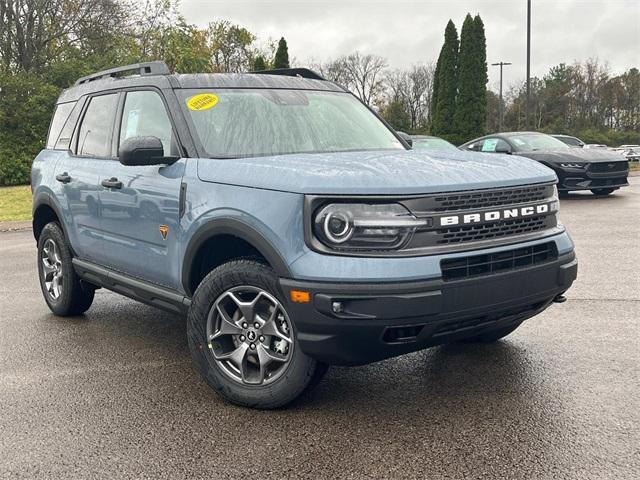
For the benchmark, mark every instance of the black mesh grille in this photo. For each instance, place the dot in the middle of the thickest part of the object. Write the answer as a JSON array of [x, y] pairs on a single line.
[[493, 198], [488, 264], [607, 167], [504, 228]]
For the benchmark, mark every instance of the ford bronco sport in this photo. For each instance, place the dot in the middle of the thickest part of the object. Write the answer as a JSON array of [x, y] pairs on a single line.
[[291, 225]]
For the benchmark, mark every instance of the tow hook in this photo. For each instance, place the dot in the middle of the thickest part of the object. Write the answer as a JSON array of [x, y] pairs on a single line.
[[560, 298]]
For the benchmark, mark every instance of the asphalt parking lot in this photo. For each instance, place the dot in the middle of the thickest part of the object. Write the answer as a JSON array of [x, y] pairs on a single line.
[[112, 394]]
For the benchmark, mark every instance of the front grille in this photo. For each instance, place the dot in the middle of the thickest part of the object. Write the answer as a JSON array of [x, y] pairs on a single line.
[[492, 263], [608, 167], [492, 198], [504, 228]]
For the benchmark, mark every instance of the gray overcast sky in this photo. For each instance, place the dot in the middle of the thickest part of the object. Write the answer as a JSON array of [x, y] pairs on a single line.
[[407, 32]]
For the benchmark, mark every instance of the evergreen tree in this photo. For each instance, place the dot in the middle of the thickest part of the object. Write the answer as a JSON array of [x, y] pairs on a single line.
[[481, 73], [259, 64], [471, 104], [281, 59], [434, 94], [447, 82]]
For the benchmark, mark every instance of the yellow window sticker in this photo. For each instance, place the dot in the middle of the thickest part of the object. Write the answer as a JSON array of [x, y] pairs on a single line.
[[202, 101]]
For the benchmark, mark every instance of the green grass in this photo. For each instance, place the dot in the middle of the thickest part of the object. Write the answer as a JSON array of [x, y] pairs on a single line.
[[15, 203]]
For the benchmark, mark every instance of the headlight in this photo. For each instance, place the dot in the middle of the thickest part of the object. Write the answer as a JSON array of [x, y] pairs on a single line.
[[572, 165], [359, 226]]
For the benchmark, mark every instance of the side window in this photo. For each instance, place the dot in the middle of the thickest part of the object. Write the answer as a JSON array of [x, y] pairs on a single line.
[[94, 137], [144, 115], [59, 119], [476, 146], [495, 144], [64, 140]]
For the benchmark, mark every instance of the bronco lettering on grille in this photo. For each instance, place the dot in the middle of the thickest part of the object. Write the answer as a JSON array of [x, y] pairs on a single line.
[[494, 215]]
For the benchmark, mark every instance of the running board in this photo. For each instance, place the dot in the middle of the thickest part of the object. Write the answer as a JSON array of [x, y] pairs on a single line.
[[140, 290]]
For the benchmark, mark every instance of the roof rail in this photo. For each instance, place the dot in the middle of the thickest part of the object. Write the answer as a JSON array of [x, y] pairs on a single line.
[[293, 72], [145, 68]]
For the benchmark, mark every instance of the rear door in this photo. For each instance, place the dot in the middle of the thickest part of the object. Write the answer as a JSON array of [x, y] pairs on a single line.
[[78, 171], [140, 214]]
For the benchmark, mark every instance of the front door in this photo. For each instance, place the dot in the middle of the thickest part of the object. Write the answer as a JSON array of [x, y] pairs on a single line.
[[140, 204]]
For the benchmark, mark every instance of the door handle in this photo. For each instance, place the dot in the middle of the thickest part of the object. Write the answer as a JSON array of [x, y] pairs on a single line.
[[63, 177], [113, 182]]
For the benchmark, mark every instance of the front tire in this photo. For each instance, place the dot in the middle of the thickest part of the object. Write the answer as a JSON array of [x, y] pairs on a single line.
[[242, 340], [64, 292], [602, 191]]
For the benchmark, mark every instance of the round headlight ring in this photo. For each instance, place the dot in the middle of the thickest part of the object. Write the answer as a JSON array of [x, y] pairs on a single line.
[[344, 234]]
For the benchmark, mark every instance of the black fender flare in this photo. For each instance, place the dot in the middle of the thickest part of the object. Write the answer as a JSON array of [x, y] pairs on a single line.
[[44, 198], [236, 228]]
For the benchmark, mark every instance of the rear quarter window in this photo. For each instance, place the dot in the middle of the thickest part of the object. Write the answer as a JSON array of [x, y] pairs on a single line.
[[60, 117]]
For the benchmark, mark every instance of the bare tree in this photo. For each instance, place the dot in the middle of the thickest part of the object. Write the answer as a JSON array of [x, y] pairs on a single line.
[[413, 88], [363, 74], [33, 33]]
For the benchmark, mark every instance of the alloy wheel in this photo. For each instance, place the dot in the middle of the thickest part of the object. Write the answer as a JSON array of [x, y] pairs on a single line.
[[52, 268], [249, 334]]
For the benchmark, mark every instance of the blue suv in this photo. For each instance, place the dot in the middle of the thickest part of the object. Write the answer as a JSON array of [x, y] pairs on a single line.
[[289, 222]]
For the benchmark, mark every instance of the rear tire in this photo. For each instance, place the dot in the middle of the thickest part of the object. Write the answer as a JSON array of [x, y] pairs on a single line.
[[64, 292], [242, 340], [602, 191], [492, 336]]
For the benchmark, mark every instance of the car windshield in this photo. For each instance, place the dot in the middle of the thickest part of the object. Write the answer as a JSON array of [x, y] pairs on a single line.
[[233, 123], [537, 141], [432, 144]]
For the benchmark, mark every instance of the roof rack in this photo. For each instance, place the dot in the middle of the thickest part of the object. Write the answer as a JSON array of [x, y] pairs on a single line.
[[145, 68], [293, 72]]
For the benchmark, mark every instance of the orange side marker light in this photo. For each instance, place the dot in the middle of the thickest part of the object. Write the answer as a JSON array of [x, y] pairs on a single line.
[[300, 296]]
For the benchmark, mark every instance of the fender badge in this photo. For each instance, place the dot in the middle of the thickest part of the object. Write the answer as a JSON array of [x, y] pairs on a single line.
[[164, 230]]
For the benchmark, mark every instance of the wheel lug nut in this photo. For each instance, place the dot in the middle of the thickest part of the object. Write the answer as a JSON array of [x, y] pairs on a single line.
[[252, 346], [256, 325], [242, 338], [245, 324], [261, 338]]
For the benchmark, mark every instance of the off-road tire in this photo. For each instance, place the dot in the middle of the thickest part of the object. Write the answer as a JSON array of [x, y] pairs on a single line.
[[302, 372], [76, 296]]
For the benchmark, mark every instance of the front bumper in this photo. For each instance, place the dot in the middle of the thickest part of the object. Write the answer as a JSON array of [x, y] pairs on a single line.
[[575, 179], [381, 320]]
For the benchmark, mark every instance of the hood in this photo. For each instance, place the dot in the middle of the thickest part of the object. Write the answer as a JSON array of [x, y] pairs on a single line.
[[376, 173], [583, 155]]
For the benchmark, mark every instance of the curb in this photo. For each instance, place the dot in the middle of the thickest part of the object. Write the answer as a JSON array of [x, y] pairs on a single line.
[[15, 225]]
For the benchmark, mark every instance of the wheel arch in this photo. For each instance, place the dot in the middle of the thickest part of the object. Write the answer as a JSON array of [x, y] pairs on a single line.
[[221, 230], [45, 210]]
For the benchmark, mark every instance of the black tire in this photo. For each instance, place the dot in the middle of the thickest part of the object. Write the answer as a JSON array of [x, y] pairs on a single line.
[[603, 191], [492, 336], [563, 193], [75, 297], [300, 374]]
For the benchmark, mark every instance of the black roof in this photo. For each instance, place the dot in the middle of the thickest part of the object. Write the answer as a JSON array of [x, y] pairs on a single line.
[[154, 74]]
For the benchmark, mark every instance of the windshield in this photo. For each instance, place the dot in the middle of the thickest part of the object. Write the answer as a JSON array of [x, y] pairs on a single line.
[[249, 123], [537, 141], [432, 144]]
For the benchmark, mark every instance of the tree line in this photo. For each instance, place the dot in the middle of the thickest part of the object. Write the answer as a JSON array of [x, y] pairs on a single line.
[[45, 45]]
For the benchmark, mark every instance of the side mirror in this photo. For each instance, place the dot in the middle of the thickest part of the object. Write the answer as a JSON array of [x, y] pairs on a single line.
[[405, 137], [137, 151]]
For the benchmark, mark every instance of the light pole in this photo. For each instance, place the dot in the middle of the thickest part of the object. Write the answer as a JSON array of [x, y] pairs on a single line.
[[526, 107], [501, 112]]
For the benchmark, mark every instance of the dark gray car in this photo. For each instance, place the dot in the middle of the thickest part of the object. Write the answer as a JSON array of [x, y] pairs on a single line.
[[597, 170]]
